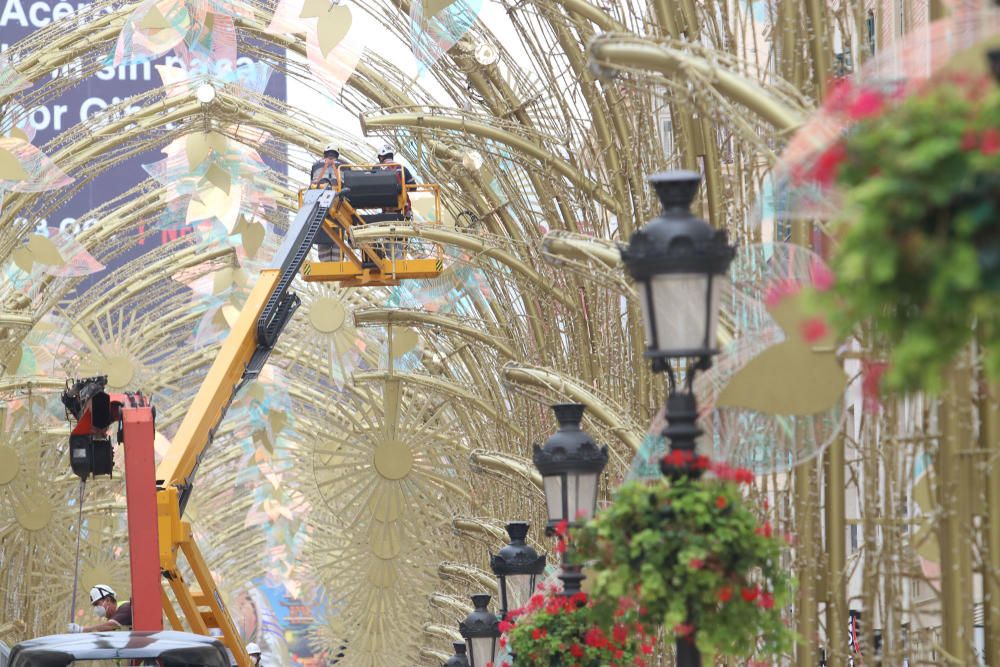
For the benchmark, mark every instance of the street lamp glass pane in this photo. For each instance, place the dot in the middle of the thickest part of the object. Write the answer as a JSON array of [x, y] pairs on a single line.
[[481, 650], [519, 590], [553, 496], [582, 495], [679, 302]]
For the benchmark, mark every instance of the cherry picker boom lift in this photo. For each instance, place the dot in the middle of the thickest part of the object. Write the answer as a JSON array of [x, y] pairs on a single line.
[[331, 211]]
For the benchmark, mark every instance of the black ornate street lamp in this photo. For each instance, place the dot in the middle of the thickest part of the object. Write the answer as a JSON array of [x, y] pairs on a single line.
[[516, 567], [481, 631], [571, 465], [679, 263], [459, 659]]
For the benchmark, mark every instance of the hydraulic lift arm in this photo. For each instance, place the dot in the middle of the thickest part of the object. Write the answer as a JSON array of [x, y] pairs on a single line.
[[241, 358]]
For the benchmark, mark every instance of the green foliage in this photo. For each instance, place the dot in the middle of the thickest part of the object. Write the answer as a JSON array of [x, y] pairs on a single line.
[[556, 631], [919, 253], [695, 559]]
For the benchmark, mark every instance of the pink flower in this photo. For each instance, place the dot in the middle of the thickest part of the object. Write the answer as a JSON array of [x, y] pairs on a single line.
[[991, 142], [970, 141], [820, 275], [505, 626], [867, 103], [766, 601], [871, 380], [815, 329], [683, 629], [696, 563], [828, 163]]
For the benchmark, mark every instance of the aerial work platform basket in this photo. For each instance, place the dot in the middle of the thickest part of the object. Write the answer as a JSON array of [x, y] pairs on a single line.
[[375, 194]]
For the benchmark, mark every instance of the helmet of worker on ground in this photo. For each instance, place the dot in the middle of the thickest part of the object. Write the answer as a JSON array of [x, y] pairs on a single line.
[[101, 591], [385, 152], [332, 148], [253, 649]]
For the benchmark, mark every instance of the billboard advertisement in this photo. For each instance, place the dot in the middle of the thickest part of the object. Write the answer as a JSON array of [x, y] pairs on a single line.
[[136, 73]]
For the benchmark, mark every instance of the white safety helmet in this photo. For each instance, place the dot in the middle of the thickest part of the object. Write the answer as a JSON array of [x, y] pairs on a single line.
[[385, 150], [101, 591], [332, 147], [252, 649]]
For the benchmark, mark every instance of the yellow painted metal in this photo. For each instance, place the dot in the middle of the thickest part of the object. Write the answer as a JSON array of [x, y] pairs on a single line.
[[171, 613], [168, 526], [342, 218], [389, 271], [217, 388], [211, 598], [187, 604]]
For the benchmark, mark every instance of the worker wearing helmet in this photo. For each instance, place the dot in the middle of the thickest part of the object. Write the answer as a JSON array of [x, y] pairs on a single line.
[[254, 652], [104, 603], [386, 156], [386, 159], [324, 170]]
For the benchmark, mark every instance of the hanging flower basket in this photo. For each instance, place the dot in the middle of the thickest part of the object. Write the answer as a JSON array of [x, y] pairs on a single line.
[[697, 561], [576, 631], [918, 260]]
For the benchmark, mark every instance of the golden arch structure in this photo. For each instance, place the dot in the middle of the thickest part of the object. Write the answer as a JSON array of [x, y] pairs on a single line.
[[380, 455]]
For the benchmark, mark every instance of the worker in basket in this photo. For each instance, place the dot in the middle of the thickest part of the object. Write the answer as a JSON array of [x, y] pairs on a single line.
[[324, 170], [324, 174], [386, 157], [104, 603], [253, 650]]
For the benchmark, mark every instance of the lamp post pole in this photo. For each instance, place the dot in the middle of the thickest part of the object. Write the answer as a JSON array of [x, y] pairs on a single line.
[[679, 263]]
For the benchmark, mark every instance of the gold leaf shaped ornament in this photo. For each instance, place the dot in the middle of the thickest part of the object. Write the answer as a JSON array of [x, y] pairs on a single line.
[[38, 250], [199, 145], [794, 377], [253, 238], [332, 26], [10, 167]]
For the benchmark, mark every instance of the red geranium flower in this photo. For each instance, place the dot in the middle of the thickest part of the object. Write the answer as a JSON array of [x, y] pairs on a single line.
[[721, 502], [562, 527], [576, 651], [647, 648], [814, 329], [725, 594], [990, 144], [505, 626], [970, 141], [764, 529], [766, 600], [696, 563], [683, 629], [619, 633], [750, 594], [825, 171], [867, 103]]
